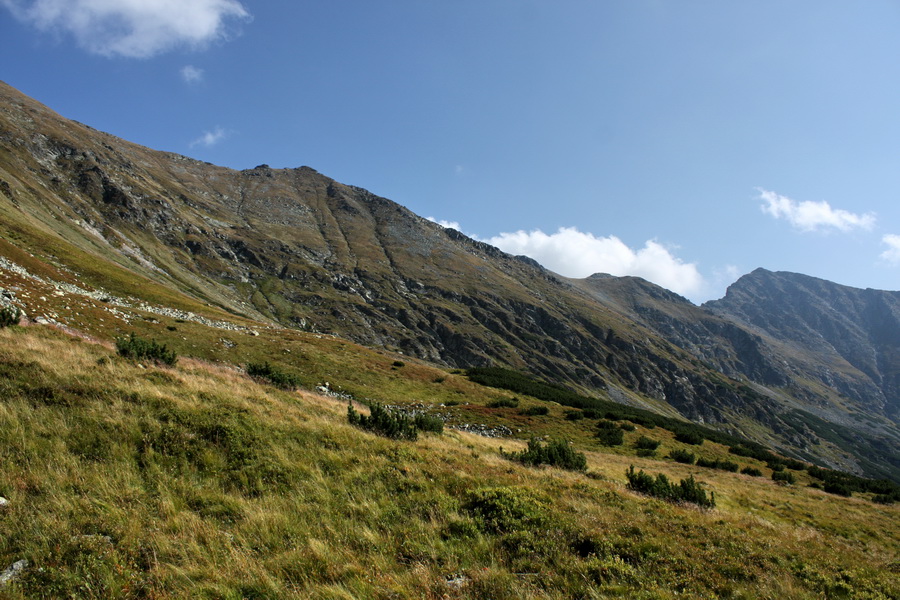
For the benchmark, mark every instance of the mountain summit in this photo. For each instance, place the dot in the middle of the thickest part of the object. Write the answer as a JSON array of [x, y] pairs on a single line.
[[295, 248]]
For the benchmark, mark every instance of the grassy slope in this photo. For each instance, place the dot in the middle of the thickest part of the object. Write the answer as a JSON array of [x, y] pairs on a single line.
[[195, 481]]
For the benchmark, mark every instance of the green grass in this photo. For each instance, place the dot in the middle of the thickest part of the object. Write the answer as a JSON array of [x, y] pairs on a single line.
[[197, 481]]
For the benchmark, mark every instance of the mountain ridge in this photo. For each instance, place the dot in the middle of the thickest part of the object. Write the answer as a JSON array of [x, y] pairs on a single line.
[[296, 248]]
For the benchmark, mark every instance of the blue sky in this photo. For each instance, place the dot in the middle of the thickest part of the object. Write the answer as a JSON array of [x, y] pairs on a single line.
[[685, 142]]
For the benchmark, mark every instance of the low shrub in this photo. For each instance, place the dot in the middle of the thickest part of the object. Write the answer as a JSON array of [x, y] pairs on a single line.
[[138, 348], [610, 437], [752, 471], [428, 423], [394, 424], [273, 375], [10, 316], [687, 490], [722, 465], [535, 411], [689, 437], [682, 456], [557, 453], [504, 403], [574, 415], [837, 488], [645, 443], [627, 426], [384, 422], [785, 477]]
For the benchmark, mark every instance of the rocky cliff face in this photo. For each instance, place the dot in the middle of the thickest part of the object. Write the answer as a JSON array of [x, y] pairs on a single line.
[[846, 338], [296, 247]]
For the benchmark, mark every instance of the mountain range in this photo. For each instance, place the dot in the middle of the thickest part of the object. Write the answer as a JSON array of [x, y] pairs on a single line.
[[806, 366]]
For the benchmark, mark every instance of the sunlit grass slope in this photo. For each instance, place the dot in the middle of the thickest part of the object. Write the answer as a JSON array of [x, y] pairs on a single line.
[[129, 480]]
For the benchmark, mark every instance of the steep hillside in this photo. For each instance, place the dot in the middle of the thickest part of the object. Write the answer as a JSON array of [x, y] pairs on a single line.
[[135, 232], [300, 249]]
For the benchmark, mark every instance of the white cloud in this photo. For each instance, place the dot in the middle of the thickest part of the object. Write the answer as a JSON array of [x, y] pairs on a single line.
[[191, 74], [573, 253], [132, 28], [892, 254], [445, 224], [812, 216], [210, 138]]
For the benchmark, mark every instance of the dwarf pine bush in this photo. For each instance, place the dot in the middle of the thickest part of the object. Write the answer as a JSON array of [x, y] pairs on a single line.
[[687, 490], [783, 476], [137, 348], [383, 422], [504, 403], [10, 316], [557, 453], [682, 456], [609, 434], [645, 443], [273, 375], [428, 423]]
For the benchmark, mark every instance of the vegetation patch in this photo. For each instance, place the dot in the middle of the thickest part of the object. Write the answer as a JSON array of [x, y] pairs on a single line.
[[556, 453], [138, 348], [10, 316], [392, 423], [274, 375], [715, 463], [687, 490], [683, 456]]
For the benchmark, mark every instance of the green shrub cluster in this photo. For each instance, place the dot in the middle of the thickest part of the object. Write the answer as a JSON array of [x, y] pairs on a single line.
[[844, 484], [556, 453], [687, 490], [752, 471], [609, 433], [772, 460], [428, 423], [682, 456], [574, 415], [10, 316], [645, 443], [138, 348], [273, 375], [695, 438], [521, 383], [715, 463], [504, 403], [535, 411], [382, 421], [784, 476], [392, 423]]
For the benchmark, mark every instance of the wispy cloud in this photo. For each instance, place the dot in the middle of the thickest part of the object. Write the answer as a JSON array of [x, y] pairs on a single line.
[[132, 28], [210, 138], [813, 216], [573, 253], [191, 74], [892, 254]]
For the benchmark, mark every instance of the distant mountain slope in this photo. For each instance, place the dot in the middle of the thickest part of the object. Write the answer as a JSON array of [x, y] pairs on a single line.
[[295, 247], [851, 335]]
